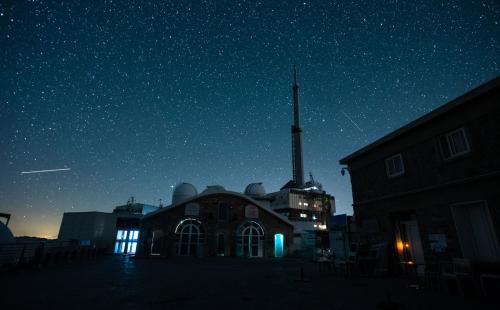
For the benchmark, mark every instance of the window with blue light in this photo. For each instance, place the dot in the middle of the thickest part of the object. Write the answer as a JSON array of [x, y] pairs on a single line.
[[126, 241]]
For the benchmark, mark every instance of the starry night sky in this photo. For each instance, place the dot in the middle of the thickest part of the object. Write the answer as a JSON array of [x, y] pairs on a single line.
[[136, 96]]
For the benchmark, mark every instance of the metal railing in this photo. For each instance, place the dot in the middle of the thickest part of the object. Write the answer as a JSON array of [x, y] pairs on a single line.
[[42, 253]]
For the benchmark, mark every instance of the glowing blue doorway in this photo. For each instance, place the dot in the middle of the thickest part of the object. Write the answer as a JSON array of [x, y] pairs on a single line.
[[278, 245]]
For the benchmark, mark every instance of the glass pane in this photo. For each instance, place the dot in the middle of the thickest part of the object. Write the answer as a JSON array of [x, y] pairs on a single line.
[[117, 247], [223, 211], [129, 247], [131, 235], [192, 251], [184, 248], [119, 234], [255, 250], [124, 236], [397, 165], [136, 235], [458, 141], [444, 147], [134, 248], [390, 167], [122, 247]]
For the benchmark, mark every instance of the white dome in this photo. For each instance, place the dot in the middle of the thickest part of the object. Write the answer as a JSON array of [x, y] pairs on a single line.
[[6, 235], [214, 189], [255, 189], [182, 192]]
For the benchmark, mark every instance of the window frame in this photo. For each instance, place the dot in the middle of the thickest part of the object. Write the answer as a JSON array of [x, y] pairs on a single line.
[[226, 208], [392, 158], [448, 137]]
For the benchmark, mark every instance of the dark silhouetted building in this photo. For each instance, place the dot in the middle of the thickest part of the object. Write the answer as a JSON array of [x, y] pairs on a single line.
[[431, 190]]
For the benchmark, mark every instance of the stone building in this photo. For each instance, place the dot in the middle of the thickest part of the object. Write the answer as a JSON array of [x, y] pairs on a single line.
[[214, 222], [430, 190]]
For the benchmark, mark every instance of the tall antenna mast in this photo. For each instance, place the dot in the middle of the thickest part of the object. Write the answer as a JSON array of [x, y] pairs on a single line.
[[297, 162]]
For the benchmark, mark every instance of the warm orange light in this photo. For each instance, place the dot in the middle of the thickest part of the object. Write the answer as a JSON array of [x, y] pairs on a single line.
[[399, 246], [407, 245]]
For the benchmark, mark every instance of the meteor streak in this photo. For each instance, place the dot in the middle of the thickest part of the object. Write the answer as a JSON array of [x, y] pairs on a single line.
[[353, 122], [42, 171]]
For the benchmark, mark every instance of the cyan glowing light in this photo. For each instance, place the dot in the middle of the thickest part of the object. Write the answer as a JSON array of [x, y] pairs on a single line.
[[278, 245], [42, 171]]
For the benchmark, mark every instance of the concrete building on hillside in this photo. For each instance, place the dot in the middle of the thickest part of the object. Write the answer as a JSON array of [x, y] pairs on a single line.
[[430, 191]]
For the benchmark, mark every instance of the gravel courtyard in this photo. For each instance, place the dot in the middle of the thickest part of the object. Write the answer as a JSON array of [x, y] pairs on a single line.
[[209, 283]]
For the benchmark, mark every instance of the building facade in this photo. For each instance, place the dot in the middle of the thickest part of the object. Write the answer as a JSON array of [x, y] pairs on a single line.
[[113, 232], [430, 190], [214, 223]]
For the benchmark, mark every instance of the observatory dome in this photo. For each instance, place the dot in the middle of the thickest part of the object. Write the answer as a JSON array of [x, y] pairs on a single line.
[[255, 189], [182, 192], [214, 189], [6, 235]]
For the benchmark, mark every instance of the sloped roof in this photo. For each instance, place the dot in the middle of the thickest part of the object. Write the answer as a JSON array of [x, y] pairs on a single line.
[[211, 194], [459, 101], [290, 184]]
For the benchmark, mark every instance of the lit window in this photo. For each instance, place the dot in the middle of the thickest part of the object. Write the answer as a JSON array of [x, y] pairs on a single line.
[[454, 144], [124, 244], [134, 247], [394, 166], [303, 215]]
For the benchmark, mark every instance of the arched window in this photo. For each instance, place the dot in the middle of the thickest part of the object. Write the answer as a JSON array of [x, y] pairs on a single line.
[[190, 235], [250, 240]]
